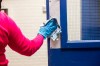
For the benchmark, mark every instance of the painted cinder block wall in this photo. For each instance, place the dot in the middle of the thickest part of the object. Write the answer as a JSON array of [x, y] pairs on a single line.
[[28, 15]]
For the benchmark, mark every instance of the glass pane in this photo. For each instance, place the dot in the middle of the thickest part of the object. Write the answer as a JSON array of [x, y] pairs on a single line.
[[83, 19], [91, 19], [74, 19]]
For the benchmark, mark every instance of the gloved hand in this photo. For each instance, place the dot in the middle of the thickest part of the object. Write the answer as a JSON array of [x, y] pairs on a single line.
[[48, 28]]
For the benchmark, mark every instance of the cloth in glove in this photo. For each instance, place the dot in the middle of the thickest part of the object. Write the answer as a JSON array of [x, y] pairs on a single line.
[[48, 28]]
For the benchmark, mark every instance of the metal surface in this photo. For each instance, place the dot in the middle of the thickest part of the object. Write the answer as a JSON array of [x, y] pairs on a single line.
[[54, 12]]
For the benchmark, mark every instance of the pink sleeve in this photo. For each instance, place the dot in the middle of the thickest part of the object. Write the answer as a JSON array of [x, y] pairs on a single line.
[[19, 43]]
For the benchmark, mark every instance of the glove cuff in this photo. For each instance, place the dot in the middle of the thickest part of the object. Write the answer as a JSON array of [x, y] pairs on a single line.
[[42, 35]]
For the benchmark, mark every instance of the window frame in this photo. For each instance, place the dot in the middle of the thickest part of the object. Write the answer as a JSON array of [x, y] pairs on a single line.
[[64, 39], [64, 35]]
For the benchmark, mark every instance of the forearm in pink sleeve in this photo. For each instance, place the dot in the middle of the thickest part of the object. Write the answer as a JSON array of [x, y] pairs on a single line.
[[19, 43]]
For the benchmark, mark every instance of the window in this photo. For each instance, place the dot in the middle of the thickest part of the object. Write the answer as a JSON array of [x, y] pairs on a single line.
[[80, 22], [83, 21]]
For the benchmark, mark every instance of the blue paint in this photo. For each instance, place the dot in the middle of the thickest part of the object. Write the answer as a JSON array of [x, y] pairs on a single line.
[[90, 25], [74, 57], [48, 16], [47, 9], [74, 53], [63, 22]]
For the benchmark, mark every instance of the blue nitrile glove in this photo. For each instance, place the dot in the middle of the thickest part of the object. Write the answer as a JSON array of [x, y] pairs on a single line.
[[48, 28]]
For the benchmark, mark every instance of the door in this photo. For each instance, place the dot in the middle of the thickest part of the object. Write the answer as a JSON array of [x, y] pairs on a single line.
[[79, 42]]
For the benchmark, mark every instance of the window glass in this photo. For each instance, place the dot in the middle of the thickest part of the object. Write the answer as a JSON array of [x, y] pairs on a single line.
[[83, 19]]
